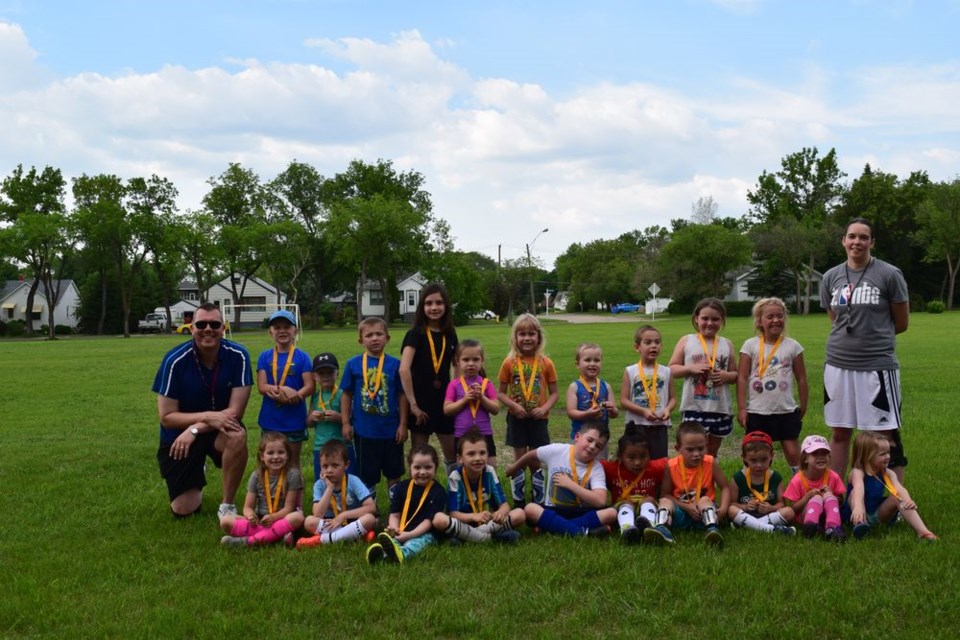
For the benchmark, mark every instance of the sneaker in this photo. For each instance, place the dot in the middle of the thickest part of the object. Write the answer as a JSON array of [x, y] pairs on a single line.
[[714, 537], [642, 523], [810, 529], [288, 540], [597, 532], [632, 535], [454, 542], [784, 530], [233, 541], [307, 543], [391, 547], [375, 553], [506, 537], [836, 534], [861, 530], [227, 510], [659, 534]]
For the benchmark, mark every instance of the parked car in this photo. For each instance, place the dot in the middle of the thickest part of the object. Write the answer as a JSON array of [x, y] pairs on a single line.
[[485, 314], [153, 323], [625, 307]]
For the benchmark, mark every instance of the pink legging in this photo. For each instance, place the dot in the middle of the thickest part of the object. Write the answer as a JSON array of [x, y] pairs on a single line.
[[826, 507], [258, 533]]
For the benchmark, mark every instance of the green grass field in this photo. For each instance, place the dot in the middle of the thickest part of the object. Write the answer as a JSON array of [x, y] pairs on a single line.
[[90, 550]]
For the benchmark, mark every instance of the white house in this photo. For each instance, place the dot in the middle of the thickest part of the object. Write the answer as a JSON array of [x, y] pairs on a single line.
[[13, 303], [259, 294], [739, 280], [408, 287]]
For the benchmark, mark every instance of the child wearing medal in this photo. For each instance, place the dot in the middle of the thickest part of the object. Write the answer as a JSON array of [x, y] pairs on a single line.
[[876, 494], [589, 398], [528, 388], [374, 409], [770, 364], [576, 491], [343, 507], [426, 356], [271, 509], [471, 398], [690, 489], [412, 508], [285, 380], [634, 481], [708, 365], [815, 491], [646, 392], [759, 500], [324, 408], [479, 511]]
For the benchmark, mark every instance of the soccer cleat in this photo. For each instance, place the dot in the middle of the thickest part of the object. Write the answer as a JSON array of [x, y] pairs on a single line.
[[597, 532], [375, 553], [659, 534], [391, 548], [288, 540], [861, 530], [642, 523], [631, 535], [784, 530], [227, 510], [506, 537], [810, 529], [835, 534], [714, 537], [306, 543], [233, 541]]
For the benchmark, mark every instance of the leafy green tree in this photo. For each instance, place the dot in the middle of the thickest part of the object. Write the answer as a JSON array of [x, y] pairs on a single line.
[[693, 264], [806, 189], [470, 278], [153, 202], [38, 234], [939, 232], [198, 236]]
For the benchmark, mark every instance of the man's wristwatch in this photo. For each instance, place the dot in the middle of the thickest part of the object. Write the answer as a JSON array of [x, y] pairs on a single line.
[[194, 431]]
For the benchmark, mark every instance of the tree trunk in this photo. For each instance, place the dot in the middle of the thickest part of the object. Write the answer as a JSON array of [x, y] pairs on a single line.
[[360, 285], [806, 298], [386, 299], [103, 302], [952, 275], [52, 294], [31, 296]]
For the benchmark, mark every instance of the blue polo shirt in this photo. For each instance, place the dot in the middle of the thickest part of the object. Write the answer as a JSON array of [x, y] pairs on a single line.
[[183, 378]]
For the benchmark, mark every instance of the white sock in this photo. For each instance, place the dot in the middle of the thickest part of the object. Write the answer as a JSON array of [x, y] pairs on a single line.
[[352, 531], [744, 519], [775, 519], [649, 511], [626, 515], [465, 532]]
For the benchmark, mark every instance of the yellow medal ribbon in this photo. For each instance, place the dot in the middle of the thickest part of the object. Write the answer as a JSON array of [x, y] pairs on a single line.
[[273, 505], [650, 390], [526, 389], [711, 359], [575, 475], [321, 402], [406, 505], [377, 380], [337, 508], [824, 481], [594, 392], [766, 484], [628, 490], [474, 404], [437, 358], [761, 365], [477, 506], [683, 479], [286, 366], [888, 483]]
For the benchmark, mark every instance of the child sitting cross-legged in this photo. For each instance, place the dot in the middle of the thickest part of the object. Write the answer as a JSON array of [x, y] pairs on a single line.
[[634, 481], [576, 495], [690, 489], [343, 507], [759, 503], [479, 511]]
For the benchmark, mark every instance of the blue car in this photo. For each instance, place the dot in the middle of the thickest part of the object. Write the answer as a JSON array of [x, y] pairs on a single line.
[[625, 307]]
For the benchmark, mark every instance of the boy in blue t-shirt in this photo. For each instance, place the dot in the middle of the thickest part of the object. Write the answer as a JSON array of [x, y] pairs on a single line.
[[374, 408]]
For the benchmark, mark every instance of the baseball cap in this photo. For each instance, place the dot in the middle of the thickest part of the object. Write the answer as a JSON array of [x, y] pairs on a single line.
[[814, 443], [284, 314], [325, 361], [757, 436]]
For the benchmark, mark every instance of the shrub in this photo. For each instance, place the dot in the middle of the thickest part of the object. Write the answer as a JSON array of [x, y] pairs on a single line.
[[62, 330], [16, 328], [936, 306], [348, 316], [326, 313]]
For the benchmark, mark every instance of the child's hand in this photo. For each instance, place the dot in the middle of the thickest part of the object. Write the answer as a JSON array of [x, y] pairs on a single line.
[[393, 532], [401, 434], [267, 520], [538, 413], [517, 410], [700, 368], [317, 416], [346, 432], [742, 418], [499, 517], [563, 481], [336, 522], [763, 508], [483, 517], [857, 516], [251, 518], [908, 505], [611, 408], [717, 377]]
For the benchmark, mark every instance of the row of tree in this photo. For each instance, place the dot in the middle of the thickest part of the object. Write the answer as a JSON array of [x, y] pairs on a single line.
[[128, 247]]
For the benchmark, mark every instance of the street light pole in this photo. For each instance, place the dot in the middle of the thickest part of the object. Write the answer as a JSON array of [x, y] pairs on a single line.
[[533, 300]]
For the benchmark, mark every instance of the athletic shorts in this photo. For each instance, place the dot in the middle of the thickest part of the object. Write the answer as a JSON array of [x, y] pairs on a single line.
[[779, 426], [868, 400], [291, 436], [376, 456], [715, 424], [526, 432], [491, 445], [188, 473]]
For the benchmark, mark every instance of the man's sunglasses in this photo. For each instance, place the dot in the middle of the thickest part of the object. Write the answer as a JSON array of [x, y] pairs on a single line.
[[203, 324]]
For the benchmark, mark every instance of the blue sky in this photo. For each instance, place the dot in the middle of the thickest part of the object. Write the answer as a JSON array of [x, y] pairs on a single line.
[[591, 119]]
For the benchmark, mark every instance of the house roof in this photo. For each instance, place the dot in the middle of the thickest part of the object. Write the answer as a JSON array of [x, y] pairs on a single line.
[[11, 286]]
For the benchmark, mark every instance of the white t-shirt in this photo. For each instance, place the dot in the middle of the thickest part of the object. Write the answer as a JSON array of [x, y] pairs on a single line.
[[556, 457], [774, 393]]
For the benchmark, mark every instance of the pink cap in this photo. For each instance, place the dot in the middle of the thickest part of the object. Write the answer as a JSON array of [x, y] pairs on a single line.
[[814, 443]]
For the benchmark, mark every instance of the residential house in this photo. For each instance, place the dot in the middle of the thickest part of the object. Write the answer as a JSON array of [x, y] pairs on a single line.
[[260, 295], [739, 280], [374, 302], [13, 303]]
